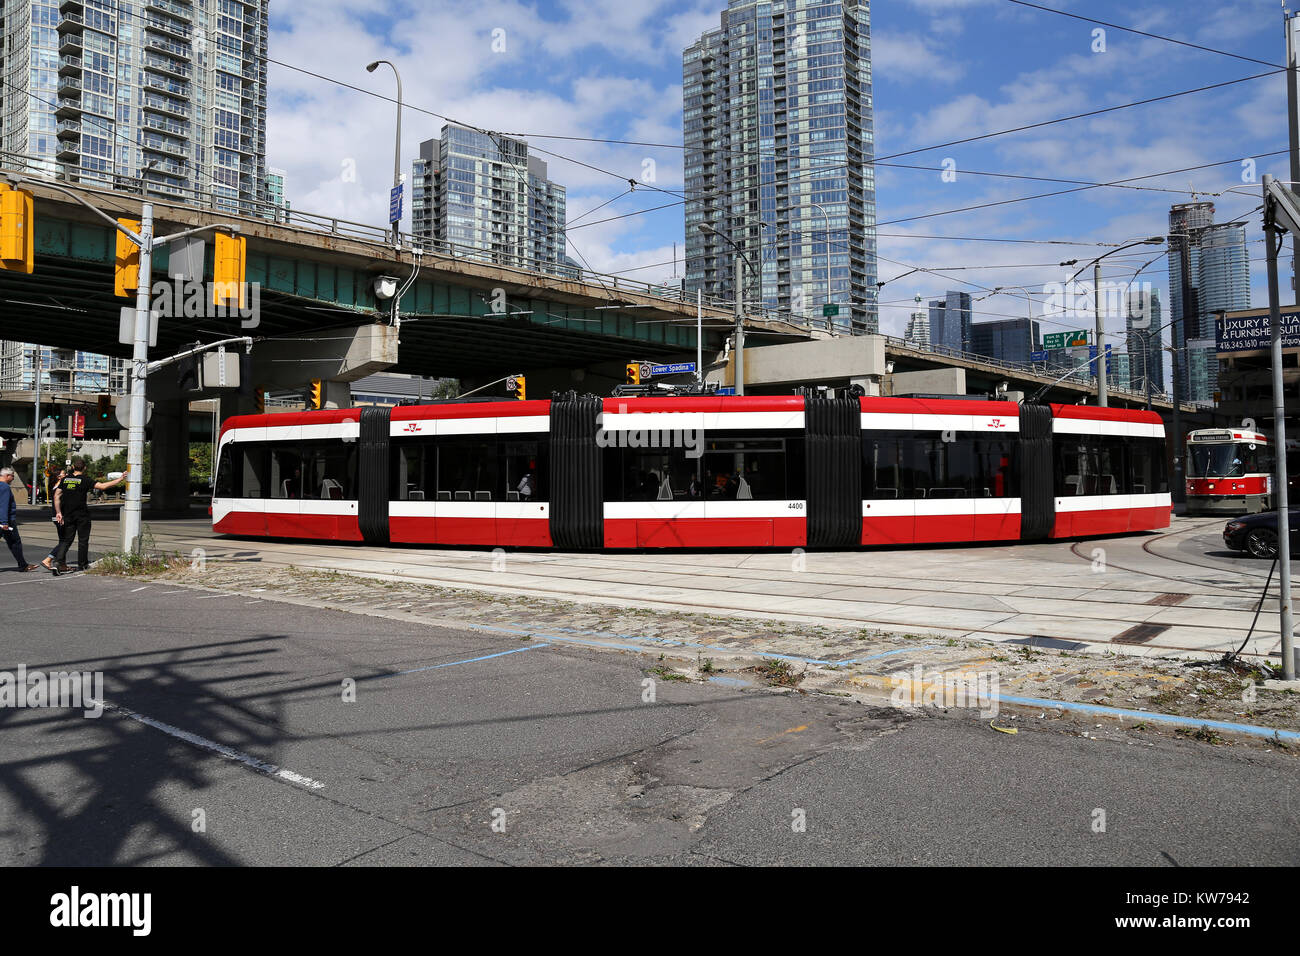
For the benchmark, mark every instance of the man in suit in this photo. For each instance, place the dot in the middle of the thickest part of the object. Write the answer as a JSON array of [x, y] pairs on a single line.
[[9, 520]]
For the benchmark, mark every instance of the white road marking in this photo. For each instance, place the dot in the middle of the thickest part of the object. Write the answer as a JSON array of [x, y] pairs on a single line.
[[221, 750], [138, 590]]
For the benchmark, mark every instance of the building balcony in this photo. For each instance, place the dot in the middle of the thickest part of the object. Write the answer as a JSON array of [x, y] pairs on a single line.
[[180, 11], [68, 150], [167, 26], [163, 45], [70, 66], [69, 86], [168, 107], [71, 6], [70, 44], [152, 82], [168, 67], [168, 147], [69, 129], [172, 128], [72, 23], [67, 108]]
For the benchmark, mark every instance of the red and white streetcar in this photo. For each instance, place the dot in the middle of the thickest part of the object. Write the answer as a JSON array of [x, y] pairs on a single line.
[[582, 472], [1229, 471]]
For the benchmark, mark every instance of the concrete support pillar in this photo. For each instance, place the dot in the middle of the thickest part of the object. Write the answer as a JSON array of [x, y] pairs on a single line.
[[169, 450], [338, 394]]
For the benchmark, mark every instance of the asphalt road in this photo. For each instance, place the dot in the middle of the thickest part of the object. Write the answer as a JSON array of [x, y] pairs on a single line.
[[556, 746]]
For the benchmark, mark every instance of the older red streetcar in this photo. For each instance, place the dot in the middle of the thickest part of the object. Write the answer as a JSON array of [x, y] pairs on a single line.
[[582, 472]]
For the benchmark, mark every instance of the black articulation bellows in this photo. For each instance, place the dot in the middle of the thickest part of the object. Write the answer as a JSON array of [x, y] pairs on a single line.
[[833, 462], [372, 474], [576, 479], [1037, 501]]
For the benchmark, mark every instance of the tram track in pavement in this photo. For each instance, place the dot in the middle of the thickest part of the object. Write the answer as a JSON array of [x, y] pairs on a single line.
[[706, 600], [1149, 547]]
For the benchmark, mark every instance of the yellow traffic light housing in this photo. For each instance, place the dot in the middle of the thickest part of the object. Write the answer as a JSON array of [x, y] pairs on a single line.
[[229, 262], [126, 267], [634, 373], [519, 387], [316, 394], [259, 397], [17, 230]]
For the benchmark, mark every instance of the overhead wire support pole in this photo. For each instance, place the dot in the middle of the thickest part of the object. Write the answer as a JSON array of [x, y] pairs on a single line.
[[1280, 203]]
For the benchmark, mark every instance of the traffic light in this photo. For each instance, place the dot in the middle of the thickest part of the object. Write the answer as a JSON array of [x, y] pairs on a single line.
[[634, 373], [17, 230], [228, 267], [104, 408], [259, 397], [316, 394], [126, 267], [516, 385]]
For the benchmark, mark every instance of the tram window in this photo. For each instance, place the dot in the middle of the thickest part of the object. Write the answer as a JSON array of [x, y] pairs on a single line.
[[744, 467], [995, 473], [469, 469], [329, 470], [228, 479], [523, 456], [1077, 468], [253, 464], [414, 474], [286, 472], [652, 474], [1148, 467]]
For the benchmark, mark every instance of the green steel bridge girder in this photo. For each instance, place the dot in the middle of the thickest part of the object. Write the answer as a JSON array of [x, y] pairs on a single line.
[[351, 289]]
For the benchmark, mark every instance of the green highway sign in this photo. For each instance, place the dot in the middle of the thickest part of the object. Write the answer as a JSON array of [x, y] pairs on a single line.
[[830, 309], [1065, 340]]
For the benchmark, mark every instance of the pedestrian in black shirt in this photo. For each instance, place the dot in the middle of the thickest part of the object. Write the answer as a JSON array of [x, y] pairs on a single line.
[[73, 515]]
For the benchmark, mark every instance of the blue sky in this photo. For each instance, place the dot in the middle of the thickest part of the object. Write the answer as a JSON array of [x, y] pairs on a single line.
[[943, 70]]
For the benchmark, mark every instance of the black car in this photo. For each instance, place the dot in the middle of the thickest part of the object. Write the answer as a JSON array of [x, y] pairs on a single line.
[[1257, 534]]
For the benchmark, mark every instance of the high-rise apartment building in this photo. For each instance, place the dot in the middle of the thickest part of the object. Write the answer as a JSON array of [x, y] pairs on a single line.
[[1218, 271], [1008, 340], [168, 95], [62, 371], [918, 325], [1146, 353], [778, 129], [483, 196], [950, 322]]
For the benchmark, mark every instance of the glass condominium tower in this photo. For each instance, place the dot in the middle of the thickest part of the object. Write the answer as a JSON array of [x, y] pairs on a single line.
[[778, 133], [168, 93], [1219, 278], [484, 197]]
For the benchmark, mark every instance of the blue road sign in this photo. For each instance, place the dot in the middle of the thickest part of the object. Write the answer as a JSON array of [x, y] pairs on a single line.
[[1038, 356], [676, 368], [727, 390], [395, 205]]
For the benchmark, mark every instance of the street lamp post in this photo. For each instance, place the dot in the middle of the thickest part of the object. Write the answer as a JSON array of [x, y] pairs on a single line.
[[826, 239], [397, 148]]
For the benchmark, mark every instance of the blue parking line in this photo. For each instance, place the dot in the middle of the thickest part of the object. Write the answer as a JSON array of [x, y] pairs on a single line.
[[1143, 715], [873, 657], [471, 660]]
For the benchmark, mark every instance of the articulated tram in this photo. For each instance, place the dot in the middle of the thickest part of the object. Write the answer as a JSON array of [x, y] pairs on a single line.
[[582, 472]]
